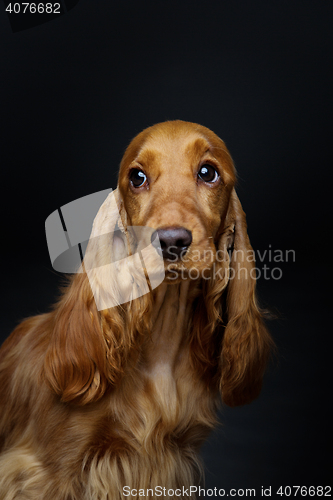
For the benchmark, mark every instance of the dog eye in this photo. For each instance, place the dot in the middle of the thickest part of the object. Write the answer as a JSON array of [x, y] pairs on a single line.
[[137, 177], [207, 173]]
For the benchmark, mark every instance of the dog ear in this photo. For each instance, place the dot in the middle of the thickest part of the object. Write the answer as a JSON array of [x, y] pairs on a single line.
[[97, 324], [85, 352], [75, 365], [246, 342]]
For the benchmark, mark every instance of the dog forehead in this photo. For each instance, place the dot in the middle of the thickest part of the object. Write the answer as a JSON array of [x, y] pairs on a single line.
[[172, 149], [176, 141], [179, 136]]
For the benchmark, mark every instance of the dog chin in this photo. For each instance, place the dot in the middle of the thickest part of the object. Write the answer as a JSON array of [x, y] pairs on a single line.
[[177, 272]]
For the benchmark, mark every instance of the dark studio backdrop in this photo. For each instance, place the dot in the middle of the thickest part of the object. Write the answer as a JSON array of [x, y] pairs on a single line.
[[74, 92]]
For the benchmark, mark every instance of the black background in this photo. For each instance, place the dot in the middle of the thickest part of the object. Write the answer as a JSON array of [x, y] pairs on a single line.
[[75, 90]]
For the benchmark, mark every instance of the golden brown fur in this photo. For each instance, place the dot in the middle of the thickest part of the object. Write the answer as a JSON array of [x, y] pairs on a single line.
[[91, 401]]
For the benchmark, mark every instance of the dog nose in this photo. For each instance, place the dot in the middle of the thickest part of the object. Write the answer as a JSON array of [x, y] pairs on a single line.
[[174, 241]]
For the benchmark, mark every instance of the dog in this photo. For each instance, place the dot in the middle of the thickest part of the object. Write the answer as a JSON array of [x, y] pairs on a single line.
[[111, 394]]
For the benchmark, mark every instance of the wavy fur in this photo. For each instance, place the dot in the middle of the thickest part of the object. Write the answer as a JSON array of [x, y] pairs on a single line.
[[92, 401]]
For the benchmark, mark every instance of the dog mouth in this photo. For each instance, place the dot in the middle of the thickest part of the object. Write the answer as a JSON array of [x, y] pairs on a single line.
[[190, 269]]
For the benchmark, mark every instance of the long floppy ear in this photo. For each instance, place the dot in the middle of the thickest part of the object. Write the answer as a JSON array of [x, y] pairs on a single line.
[[246, 342], [86, 348]]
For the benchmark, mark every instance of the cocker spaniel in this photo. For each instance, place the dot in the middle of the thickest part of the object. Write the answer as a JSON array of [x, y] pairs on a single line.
[[110, 394]]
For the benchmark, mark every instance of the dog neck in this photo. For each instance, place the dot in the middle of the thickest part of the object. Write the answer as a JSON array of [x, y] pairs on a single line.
[[170, 322], [165, 350]]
